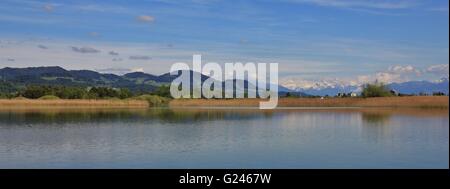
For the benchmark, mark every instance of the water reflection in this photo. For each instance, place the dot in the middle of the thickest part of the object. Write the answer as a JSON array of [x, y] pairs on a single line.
[[224, 138], [57, 116], [374, 116]]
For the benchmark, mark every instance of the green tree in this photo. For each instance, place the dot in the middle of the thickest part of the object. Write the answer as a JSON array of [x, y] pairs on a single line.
[[438, 94], [376, 90], [103, 92], [35, 92], [125, 93], [163, 90]]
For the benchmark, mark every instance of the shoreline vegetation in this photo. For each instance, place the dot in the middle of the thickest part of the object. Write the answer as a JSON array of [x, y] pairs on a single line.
[[407, 102], [155, 101], [372, 95], [72, 103]]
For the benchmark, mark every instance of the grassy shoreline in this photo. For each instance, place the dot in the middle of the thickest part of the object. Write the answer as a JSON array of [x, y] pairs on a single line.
[[28, 103], [410, 102], [407, 102]]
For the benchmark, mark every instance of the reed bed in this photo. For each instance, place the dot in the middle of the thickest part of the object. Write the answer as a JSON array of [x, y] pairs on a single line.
[[25, 103], [413, 101]]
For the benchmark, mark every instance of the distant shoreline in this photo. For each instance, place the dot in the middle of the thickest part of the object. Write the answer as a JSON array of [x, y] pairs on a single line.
[[410, 102], [407, 102], [66, 103]]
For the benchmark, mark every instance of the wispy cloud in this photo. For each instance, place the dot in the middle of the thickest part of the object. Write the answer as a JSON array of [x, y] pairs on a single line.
[[113, 53], [376, 7], [94, 34], [398, 69], [117, 59], [370, 4], [48, 8], [85, 50], [42, 47], [393, 74], [140, 57], [440, 69], [61, 53], [439, 9], [104, 8], [145, 18], [28, 20], [118, 71], [137, 70]]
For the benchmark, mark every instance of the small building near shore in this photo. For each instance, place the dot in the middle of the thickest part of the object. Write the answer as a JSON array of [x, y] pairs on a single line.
[[394, 93]]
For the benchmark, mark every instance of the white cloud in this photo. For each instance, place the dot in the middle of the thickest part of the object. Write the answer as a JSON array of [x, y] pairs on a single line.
[[376, 7], [48, 8], [440, 69], [397, 69], [387, 77], [85, 50], [117, 59], [145, 18], [94, 34], [118, 71], [42, 47], [27, 54], [140, 57], [371, 4], [439, 9], [29, 20], [394, 74], [113, 53], [104, 8], [137, 70]]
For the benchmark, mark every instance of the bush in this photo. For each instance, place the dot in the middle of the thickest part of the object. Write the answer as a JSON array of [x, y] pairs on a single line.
[[20, 98], [103, 92], [4, 96], [69, 92], [125, 93], [153, 100], [35, 92], [376, 90], [438, 94], [163, 90], [63, 92], [49, 97]]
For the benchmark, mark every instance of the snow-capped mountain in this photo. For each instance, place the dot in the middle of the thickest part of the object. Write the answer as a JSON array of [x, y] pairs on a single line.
[[335, 86], [321, 88]]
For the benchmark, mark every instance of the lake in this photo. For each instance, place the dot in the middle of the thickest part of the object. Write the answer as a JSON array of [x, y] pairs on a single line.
[[224, 138]]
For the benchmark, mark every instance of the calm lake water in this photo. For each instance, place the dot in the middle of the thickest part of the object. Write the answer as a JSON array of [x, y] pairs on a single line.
[[224, 138]]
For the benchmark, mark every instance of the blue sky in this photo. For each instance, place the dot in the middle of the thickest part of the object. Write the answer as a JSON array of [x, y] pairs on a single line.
[[312, 40]]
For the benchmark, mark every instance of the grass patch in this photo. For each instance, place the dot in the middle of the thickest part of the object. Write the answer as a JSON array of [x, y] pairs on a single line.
[[153, 100], [424, 102], [20, 98], [48, 102], [49, 97]]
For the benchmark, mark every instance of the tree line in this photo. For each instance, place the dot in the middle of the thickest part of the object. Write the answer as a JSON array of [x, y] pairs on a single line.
[[65, 92]]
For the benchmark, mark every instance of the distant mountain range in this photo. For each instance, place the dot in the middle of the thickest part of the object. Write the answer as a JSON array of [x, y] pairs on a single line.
[[11, 79], [411, 87], [416, 87], [59, 76]]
